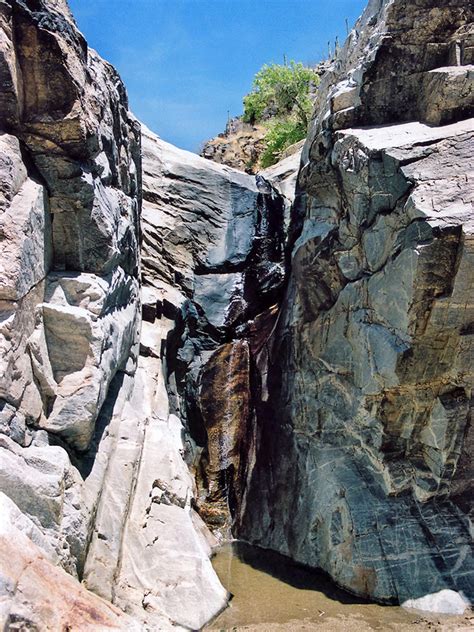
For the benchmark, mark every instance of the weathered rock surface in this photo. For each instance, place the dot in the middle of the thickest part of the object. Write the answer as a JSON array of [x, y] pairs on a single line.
[[363, 430], [91, 465], [240, 146], [303, 372], [224, 257], [69, 300], [70, 201], [36, 594]]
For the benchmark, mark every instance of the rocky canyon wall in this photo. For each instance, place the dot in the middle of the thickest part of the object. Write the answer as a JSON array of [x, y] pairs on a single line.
[[364, 464], [110, 445], [214, 355], [92, 477], [69, 276], [213, 260]]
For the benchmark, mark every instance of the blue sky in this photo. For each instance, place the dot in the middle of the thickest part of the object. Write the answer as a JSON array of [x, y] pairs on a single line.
[[187, 62]]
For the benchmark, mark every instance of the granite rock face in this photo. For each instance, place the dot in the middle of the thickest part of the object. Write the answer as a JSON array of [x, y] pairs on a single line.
[[149, 550], [208, 238], [92, 477], [37, 594], [363, 431], [213, 259], [69, 296], [296, 372], [70, 204], [69, 306]]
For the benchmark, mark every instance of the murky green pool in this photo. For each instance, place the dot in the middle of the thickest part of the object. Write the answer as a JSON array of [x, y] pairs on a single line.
[[271, 593]]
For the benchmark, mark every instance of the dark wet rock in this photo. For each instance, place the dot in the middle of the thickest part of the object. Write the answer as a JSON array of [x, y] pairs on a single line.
[[225, 406], [218, 237]]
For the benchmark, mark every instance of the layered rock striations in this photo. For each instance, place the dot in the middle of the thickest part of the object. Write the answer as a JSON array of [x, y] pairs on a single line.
[[362, 466]]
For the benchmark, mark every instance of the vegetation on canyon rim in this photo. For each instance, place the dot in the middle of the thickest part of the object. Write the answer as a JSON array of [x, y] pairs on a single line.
[[280, 99]]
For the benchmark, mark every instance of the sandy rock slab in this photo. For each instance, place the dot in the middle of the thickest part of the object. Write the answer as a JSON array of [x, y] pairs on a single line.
[[36, 595]]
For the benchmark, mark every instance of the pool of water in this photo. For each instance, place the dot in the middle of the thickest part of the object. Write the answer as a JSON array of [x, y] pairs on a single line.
[[272, 593]]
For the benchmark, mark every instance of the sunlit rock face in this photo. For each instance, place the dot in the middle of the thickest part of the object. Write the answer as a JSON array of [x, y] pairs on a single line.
[[362, 465], [69, 288], [92, 477], [69, 296], [302, 374], [36, 593]]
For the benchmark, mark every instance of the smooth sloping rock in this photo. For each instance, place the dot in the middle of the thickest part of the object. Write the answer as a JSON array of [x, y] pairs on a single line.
[[197, 215], [148, 553], [36, 595]]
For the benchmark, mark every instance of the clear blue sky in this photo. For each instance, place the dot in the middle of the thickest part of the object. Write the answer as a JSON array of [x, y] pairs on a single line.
[[187, 62]]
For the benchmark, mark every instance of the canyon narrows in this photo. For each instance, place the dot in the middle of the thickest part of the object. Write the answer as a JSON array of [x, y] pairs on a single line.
[[191, 353]]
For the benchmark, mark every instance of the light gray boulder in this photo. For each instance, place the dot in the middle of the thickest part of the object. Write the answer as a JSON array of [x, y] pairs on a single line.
[[97, 318], [47, 489], [443, 602]]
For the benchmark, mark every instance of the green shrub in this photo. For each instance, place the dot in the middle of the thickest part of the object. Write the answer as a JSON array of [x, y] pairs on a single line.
[[281, 134], [280, 99], [279, 91]]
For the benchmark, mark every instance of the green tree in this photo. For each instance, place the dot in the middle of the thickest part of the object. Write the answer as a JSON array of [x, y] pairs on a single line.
[[281, 134]]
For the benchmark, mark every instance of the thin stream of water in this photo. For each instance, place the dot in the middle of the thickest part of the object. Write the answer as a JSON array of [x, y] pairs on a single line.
[[271, 593]]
